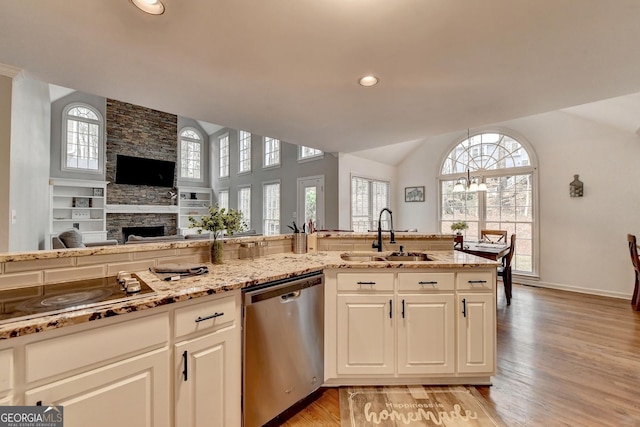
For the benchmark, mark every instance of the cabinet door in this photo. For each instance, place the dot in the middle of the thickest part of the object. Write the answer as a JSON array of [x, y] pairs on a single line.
[[365, 334], [133, 392], [426, 334], [208, 380], [476, 332]]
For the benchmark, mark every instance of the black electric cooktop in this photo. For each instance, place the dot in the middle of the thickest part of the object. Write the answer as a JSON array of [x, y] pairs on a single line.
[[32, 301]]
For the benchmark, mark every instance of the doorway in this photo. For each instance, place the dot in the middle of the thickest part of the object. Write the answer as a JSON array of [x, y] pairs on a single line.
[[311, 201]]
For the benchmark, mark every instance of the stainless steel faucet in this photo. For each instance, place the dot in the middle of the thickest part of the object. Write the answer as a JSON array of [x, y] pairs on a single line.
[[378, 244]]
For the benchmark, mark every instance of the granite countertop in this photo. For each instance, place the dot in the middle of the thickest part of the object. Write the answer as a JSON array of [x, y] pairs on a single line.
[[233, 274]]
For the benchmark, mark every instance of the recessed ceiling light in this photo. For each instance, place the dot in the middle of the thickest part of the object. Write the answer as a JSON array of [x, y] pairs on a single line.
[[368, 81], [154, 7]]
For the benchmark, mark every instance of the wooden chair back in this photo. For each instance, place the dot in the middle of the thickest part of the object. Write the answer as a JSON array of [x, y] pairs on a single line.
[[494, 236], [512, 248], [635, 261]]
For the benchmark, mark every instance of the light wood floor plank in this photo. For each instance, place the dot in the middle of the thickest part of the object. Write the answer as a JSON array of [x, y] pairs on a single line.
[[564, 359]]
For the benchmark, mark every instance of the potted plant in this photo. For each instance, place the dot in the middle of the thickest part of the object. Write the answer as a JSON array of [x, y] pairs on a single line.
[[459, 226], [219, 221]]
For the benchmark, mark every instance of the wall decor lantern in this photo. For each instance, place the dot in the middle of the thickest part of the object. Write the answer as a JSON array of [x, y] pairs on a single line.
[[576, 187]]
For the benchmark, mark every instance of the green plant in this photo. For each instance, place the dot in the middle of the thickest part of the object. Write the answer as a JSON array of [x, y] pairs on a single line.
[[459, 226], [218, 221]]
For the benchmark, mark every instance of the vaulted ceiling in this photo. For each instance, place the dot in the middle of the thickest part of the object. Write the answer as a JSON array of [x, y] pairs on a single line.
[[289, 68]]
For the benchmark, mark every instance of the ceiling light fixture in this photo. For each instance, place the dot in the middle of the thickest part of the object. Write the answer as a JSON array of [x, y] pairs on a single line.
[[368, 81], [471, 184], [154, 7]]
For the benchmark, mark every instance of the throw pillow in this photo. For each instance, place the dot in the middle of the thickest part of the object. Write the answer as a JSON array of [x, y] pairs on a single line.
[[72, 238]]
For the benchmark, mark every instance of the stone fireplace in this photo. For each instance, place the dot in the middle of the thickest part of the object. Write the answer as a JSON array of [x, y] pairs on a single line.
[[139, 132]]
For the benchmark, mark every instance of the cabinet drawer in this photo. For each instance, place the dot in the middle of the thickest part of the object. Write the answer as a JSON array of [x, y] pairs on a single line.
[[205, 316], [365, 282], [423, 282], [99, 345], [475, 280]]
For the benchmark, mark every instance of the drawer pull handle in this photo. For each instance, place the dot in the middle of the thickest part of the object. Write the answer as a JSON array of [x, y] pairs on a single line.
[[477, 281], [403, 309], [185, 361], [39, 403], [464, 307], [366, 283], [428, 283], [390, 309], [213, 316]]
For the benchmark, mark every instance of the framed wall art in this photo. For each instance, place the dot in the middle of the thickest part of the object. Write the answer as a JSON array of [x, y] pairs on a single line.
[[414, 194]]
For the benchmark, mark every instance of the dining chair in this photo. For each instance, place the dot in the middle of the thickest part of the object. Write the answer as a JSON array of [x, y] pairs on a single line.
[[494, 236], [505, 270], [635, 261]]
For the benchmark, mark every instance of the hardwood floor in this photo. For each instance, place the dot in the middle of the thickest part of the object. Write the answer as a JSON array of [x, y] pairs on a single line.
[[564, 359]]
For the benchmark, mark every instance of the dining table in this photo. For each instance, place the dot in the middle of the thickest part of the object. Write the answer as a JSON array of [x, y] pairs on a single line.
[[494, 251]]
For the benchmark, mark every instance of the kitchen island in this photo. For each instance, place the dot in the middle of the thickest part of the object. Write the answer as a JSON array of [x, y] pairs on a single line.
[[134, 354]]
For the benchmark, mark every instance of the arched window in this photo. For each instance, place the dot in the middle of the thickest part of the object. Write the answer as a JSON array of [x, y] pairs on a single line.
[[82, 139], [508, 170], [190, 154]]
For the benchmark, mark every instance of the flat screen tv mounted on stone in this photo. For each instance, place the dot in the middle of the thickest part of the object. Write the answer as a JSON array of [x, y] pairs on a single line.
[[141, 171]]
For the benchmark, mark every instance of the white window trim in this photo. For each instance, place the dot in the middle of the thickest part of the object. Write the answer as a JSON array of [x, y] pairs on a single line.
[[101, 140], [220, 138], [183, 178], [520, 170], [264, 183], [371, 178], [247, 172], [264, 145], [222, 190], [308, 158], [251, 195]]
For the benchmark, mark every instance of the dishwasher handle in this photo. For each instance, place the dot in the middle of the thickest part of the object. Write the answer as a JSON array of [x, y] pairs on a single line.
[[290, 296]]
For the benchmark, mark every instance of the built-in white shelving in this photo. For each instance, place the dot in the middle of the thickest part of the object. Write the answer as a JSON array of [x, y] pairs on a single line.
[[195, 202], [80, 204]]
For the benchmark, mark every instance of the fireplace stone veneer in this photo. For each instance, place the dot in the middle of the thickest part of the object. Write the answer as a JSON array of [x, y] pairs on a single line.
[[117, 222]]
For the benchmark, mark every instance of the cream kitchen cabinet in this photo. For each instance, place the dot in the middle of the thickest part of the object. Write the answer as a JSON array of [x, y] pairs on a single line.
[[426, 334], [366, 334], [207, 372], [134, 392], [103, 375], [408, 327], [476, 332], [127, 369]]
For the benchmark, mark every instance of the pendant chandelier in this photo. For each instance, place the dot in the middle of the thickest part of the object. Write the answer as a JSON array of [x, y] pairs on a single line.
[[469, 184]]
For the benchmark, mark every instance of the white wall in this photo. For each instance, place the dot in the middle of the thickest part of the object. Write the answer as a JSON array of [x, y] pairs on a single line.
[[351, 165], [30, 153], [582, 240], [5, 153]]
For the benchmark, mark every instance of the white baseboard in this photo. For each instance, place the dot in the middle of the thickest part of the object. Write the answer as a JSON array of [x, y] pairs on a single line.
[[600, 292]]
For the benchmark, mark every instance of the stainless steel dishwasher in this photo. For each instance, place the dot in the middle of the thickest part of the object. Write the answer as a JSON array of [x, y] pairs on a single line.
[[283, 359]]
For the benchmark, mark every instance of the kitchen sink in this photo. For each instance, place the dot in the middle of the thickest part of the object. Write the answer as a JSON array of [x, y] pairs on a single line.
[[408, 257], [362, 257], [393, 257]]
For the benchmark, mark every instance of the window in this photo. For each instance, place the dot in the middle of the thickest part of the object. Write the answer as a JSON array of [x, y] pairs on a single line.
[[82, 139], [271, 206], [223, 199], [190, 154], [508, 204], [224, 156], [305, 153], [368, 198], [244, 152], [244, 204], [271, 152]]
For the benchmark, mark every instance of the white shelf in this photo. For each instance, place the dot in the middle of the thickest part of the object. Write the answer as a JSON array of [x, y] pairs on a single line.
[[63, 193], [192, 201]]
